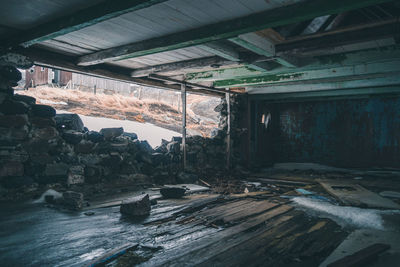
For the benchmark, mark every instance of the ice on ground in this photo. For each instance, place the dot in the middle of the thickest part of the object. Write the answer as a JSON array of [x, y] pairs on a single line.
[[145, 131], [93, 254], [50, 192], [345, 216]]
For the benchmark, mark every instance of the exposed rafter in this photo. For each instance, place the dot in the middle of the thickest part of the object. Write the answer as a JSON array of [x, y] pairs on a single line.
[[312, 75], [263, 46], [180, 65], [193, 85], [388, 54], [227, 29], [57, 61], [358, 81], [229, 52], [336, 38], [103, 11]]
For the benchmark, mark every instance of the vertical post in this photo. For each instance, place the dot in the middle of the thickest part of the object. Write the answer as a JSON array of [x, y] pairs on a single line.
[[228, 131], [183, 93], [94, 89]]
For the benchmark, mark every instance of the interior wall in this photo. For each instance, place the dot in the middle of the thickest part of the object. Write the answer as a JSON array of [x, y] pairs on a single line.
[[346, 133]]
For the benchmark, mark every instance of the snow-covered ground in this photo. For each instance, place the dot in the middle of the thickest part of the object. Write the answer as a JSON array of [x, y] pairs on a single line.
[[145, 131]]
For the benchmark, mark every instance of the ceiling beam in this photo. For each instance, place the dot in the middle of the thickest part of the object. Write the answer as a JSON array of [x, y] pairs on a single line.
[[230, 53], [58, 61], [89, 16], [262, 46], [336, 38], [387, 54], [358, 81], [197, 63], [328, 94], [227, 29], [312, 75], [193, 85]]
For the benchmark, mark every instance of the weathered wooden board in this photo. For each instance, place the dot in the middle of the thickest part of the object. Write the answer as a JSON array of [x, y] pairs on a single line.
[[356, 195]]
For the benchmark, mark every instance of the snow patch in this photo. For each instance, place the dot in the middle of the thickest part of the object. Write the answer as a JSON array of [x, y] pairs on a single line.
[[50, 192], [361, 218]]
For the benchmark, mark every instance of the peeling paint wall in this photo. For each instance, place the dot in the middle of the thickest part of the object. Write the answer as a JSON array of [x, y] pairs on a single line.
[[348, 133]]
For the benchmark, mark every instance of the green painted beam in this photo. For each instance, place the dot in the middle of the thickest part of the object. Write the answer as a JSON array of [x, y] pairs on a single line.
[[227, 29], [84, 18], [328, 94], [297, 76], [262, 46], [357, 81], [320, 62]]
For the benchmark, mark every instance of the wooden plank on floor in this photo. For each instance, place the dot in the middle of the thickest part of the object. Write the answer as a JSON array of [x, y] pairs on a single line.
[[173, 256], [362, 257], [356, 195], [258, 207]]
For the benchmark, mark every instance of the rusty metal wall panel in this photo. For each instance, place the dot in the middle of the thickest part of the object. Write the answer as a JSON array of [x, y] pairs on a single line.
[[345, 133]]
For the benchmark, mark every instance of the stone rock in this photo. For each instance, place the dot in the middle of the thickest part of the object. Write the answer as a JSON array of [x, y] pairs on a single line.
[[69, 122], [177, 139], [72, 200], [75, 179], [56, 170], [172, 192], [72, 137], [110, 133], [16, 60], [40, 122], [95, 137], [136, 206], [46, 133], [132, 136], [84, 147], [13, 121], [12, 134], [43, 111], [220, 107], [12, 107], [11, 168], [10, 74], [174, 148], [36, 146], [144, 146], [25, 98]]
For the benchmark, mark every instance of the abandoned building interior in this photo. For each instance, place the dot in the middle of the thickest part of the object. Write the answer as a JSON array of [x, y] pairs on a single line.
[[303, 169]]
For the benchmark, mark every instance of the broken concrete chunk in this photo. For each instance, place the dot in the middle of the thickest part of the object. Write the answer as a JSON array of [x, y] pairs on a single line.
[[72, 137], [72, 200], [110, 133], [136, 206], [172, 192]]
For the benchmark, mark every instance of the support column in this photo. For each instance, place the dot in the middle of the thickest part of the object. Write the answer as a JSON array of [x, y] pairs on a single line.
[[228, 131], [183, 93]]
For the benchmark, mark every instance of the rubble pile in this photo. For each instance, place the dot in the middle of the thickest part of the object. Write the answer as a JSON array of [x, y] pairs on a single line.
[[39, 147]]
